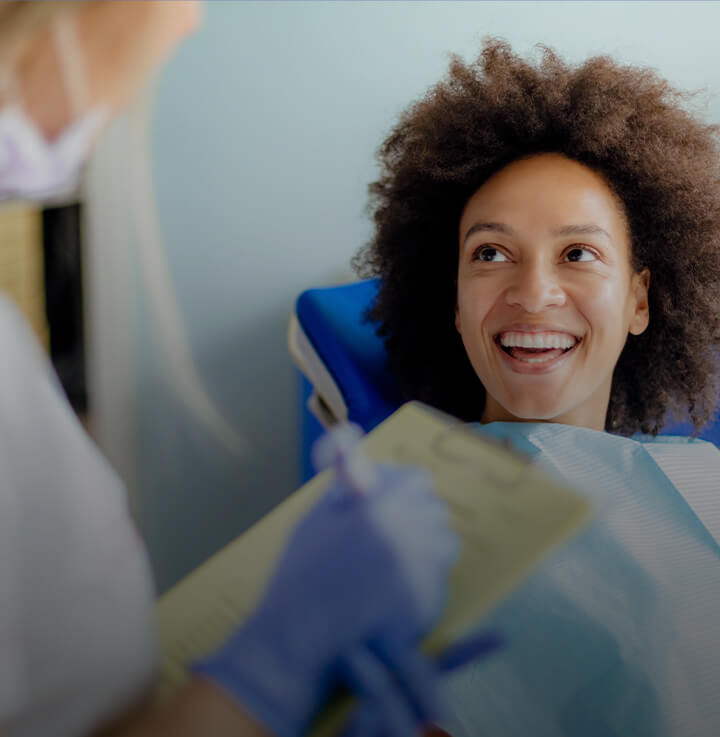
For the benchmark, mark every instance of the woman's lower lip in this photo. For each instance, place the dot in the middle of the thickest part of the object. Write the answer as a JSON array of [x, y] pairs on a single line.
[[523, 367]]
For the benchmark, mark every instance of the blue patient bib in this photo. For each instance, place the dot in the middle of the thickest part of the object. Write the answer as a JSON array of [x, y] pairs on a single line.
[[618, 632]]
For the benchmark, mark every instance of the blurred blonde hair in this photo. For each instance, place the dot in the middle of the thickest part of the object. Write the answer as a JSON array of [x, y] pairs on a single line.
[[120, 45]]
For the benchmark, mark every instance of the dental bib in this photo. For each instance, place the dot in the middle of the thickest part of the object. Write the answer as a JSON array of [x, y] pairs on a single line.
[[616, 633]]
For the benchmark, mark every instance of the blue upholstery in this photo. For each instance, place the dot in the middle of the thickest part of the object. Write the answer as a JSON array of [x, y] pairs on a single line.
[[310, 431], [332, 318], [711, 433]]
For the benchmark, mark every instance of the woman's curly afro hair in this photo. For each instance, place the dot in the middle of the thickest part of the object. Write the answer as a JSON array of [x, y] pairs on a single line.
[[623, 122]]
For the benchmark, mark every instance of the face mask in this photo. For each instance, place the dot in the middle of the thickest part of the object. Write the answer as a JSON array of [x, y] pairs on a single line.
[[33, 168]]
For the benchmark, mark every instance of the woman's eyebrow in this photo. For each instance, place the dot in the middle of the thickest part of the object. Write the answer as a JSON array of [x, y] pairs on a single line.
[[482, 227], [584, 229], [564, 230]]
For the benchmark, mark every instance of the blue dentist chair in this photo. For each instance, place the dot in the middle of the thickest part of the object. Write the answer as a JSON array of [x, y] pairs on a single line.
[[342, 362]]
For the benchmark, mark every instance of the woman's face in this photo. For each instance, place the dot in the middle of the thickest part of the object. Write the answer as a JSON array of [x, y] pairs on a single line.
[[546, 293]]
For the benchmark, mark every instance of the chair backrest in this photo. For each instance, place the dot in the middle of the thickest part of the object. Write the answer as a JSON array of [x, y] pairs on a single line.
[[333, 319]]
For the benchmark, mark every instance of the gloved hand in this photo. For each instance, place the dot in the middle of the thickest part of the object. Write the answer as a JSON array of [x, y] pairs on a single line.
[[360, 572]]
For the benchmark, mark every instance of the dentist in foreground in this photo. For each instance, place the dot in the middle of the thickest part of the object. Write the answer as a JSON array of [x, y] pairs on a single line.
[[352, 594]]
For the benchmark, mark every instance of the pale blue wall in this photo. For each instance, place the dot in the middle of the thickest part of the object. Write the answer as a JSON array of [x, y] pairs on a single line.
[[266, 127]]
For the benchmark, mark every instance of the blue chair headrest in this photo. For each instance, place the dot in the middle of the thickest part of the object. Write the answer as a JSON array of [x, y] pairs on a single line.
[[333, 318]]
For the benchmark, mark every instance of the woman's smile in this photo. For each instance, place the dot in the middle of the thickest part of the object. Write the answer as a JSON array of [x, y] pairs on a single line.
[[535, 352]]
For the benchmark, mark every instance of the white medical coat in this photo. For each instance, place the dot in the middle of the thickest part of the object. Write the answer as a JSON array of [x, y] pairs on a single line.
[[76, 596]]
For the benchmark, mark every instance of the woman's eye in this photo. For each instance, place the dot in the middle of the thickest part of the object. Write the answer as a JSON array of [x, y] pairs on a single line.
[[489, 254], [580, 253]]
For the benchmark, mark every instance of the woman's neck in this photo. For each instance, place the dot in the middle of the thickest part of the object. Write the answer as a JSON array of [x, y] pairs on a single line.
[[590, 414]]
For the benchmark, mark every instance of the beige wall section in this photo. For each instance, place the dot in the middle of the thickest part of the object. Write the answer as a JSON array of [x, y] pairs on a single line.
[[21, 263]]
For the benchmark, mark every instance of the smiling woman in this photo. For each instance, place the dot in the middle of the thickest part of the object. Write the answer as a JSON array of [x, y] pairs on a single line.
[[633, 141], [548, 239]]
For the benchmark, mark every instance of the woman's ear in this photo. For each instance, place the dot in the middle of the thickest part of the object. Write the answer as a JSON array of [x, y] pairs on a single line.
[[640, 318]]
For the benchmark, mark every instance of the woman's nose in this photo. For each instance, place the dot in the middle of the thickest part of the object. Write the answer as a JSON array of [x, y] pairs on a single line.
[[535, 288]]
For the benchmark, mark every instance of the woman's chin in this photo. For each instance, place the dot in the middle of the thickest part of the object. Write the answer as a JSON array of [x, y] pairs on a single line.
[[534, 411]]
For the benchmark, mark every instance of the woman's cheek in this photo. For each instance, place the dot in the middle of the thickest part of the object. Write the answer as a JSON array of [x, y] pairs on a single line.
[[598, 300]]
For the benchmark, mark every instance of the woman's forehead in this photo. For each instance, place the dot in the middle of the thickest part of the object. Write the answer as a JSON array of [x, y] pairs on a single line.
[[546, 192]]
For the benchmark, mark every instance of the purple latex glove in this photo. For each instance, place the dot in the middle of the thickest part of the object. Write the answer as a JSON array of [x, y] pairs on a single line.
[[367, 568]]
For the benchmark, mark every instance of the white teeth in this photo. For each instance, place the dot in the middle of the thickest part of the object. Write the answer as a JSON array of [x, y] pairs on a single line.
[[537, 340]]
